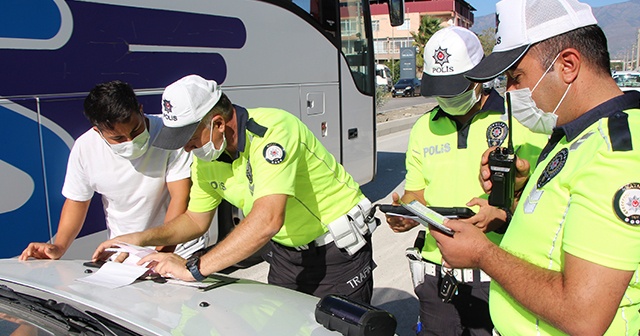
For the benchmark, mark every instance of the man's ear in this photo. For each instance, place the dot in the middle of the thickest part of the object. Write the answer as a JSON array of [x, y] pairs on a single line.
[[218, 122], [570, 62]]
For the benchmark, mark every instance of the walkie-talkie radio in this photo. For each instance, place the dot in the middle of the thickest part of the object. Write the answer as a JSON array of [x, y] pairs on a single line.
[[503, 169]]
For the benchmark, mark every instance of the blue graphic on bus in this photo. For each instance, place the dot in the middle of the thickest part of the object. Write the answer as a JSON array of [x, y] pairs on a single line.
[[21, 150], [100, 47], [30, 19]]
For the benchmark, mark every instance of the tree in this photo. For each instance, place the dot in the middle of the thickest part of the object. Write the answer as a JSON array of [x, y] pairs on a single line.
[[394, 66], [428, 26], [488, 40]]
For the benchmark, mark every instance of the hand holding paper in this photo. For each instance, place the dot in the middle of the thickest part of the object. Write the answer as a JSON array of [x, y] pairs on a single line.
[[115, 274], [135, 252]]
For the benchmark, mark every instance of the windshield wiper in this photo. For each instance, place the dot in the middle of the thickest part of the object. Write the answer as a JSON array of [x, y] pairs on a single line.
[[73, 320]]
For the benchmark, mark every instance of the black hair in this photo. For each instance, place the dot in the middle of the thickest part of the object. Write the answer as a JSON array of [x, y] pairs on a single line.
[[110, 103], [590, 41]]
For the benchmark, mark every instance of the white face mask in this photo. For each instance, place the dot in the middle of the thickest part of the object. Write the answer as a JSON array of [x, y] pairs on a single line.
[[133, 149], [524, 108], [461, 104], [208, 152]]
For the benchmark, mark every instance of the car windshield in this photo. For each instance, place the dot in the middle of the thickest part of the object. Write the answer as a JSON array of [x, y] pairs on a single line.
[[628, 79], [405, 81]]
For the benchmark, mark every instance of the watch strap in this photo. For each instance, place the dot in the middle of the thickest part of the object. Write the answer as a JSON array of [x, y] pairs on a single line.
[[193, 265], [503, 228]]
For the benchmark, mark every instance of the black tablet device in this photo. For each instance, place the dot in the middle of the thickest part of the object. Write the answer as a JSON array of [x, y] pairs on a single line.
[[449, 212]]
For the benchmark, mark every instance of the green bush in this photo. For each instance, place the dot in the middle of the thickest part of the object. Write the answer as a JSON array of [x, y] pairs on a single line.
[[381, 96]]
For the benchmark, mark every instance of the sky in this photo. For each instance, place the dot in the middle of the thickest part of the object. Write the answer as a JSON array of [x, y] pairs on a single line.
[[484, 7]]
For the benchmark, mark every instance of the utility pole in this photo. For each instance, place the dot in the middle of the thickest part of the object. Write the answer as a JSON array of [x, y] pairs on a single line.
[[392, 53], [638, 52]]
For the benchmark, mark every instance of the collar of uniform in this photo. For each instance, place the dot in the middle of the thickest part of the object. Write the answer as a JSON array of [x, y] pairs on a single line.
[[493, 104], [630, 99], [241, 116]]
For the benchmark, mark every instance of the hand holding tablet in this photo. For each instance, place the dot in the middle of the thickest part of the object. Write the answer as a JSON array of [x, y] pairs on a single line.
[[427, 216]]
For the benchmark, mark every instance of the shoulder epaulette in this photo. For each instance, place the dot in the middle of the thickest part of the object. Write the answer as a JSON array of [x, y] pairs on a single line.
[[256, 128], [619, 132]]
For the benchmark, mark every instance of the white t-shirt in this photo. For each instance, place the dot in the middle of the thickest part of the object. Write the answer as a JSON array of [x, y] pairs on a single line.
[[134, 192]]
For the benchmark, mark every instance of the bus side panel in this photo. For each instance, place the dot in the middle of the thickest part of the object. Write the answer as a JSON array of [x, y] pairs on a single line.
[[290, 53], [23, 208], [103, 46], [250, 97], [319, 104], [66, 121], [357, 116], [262, 54]]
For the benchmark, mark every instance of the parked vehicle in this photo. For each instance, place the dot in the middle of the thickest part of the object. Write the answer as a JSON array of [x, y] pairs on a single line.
[[627, 80], [407, 87], [43, 297], [383, 77]]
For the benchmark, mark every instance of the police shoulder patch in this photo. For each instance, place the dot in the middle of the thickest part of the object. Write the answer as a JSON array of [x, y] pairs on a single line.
[[273, 153], [626, 203], [553, 167], [496, 133]]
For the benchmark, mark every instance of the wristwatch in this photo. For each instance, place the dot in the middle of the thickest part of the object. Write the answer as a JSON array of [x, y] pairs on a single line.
[[503, 228], [193, 265]]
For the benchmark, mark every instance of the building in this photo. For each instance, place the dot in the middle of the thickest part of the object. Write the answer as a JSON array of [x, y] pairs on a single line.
[[388, 40]]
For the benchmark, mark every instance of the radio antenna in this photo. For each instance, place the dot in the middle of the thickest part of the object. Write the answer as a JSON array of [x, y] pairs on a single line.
[[510, 143]]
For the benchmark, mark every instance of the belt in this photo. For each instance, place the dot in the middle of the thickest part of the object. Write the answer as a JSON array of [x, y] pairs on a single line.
[[360, 209], [465, 275], [323, 240]]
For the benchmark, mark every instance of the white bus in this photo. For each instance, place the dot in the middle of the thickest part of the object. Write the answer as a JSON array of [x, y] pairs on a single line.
[[313, 58]]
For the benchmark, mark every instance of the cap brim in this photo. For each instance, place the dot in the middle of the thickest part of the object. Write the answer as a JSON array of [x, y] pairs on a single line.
[[443, 86], [495, 64], [174, 137]]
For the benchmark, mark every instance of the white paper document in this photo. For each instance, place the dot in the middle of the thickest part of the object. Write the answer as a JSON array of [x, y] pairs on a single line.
[[114, 275]]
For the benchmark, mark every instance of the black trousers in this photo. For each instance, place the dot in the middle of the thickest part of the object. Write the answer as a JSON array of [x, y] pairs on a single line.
[[323, 270], [466, 314]]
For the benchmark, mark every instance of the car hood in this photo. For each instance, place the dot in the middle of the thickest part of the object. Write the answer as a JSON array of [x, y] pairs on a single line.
[[241, 307]]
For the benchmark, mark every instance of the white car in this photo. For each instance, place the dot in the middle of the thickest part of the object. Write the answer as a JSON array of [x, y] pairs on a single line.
[[627, 80], [44, 295]]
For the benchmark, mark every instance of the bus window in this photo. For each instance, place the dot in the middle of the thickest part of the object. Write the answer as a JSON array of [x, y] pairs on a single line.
[[355, 43], [323, 11]]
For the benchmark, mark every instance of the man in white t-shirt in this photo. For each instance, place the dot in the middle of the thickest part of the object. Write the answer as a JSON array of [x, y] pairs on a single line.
[[141, 186]]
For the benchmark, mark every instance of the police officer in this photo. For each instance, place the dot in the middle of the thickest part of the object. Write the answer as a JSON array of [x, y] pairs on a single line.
[[443, 145], [295, 195], [568, 263]]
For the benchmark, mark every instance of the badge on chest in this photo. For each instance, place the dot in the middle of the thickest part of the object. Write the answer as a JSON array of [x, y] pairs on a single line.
[[496, 133]]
